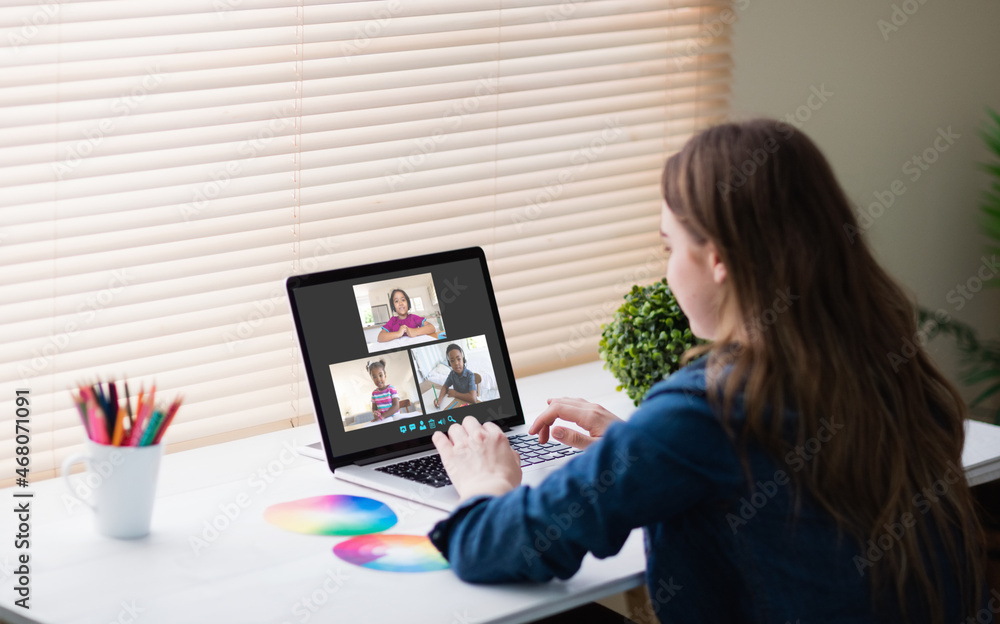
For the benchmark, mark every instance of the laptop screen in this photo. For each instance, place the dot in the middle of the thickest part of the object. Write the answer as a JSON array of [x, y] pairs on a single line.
[[397, 350]]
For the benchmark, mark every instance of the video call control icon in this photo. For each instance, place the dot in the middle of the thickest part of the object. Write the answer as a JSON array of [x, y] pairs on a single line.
[[425, 424]]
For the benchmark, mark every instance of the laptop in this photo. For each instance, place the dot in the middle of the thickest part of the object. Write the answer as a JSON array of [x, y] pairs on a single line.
[[397, 350]]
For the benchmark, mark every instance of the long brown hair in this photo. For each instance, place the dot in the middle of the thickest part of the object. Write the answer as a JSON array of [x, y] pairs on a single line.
[[842, 347]]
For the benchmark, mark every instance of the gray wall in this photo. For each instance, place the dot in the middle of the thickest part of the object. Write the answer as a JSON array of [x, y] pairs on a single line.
[[887, 95]]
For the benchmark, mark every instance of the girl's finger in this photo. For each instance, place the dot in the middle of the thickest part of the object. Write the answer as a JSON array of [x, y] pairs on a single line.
[[444, 446], [543, 434], [565, 411], [458, 435], [572, 438], [472, 428], [492, 428]]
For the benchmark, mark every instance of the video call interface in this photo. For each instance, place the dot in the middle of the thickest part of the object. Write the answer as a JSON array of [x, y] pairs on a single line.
[[396, 357]]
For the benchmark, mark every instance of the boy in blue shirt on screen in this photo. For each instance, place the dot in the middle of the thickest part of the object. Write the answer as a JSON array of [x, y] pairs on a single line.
[[461, 382]]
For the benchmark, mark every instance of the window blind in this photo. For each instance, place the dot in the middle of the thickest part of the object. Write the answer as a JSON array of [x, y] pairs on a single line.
[[164, 166]]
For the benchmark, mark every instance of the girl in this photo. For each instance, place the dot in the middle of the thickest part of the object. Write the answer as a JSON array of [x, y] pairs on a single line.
[[796, 468], [404, 323], [385, 399]]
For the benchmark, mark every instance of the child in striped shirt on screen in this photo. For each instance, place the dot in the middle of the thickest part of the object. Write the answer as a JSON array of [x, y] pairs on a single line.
[[385, 399]]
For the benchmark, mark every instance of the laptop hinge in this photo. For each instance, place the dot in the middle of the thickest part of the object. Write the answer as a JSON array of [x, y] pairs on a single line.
[[393, 455]]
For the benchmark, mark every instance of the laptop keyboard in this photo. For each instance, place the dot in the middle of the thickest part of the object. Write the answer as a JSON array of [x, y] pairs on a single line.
[[430, 471]]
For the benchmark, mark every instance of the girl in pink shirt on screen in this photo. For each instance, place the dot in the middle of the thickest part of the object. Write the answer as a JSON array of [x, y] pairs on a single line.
[[404, 323]]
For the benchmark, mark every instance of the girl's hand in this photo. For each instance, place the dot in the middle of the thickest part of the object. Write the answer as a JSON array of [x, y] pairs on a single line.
[[437, 402], [378, 415], [478, 458], [591, 416], [406, 330]]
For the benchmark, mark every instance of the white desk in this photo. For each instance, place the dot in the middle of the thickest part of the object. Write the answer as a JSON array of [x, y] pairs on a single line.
[[250, 571]]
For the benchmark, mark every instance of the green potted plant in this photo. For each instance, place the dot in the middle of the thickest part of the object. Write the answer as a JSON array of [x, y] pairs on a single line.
[[645, 339], [981, 358]]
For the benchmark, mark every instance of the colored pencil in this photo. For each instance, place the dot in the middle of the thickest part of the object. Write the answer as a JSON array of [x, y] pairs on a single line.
[[102, 408], [106, 421], [81, 408], [112, 409], [95, 424], [140, 423], [116, 437], [150, 432], [137, 422], [167, 419], [128, 406]]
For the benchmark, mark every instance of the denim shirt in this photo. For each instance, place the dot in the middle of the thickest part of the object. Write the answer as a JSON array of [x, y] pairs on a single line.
[[716, 550]]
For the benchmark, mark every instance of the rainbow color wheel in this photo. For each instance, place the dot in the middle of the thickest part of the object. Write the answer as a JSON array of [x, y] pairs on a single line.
[[334, 514], [392, 553]]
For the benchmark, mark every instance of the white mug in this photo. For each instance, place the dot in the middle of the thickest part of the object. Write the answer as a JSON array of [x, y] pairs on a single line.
[[119, 485]]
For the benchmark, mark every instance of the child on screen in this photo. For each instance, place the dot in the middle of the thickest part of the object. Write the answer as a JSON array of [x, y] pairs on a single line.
[[385, 399], [461, 382], [404, 323]]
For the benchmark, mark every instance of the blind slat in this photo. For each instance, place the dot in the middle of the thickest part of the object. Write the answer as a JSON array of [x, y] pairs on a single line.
[[164, 167]]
